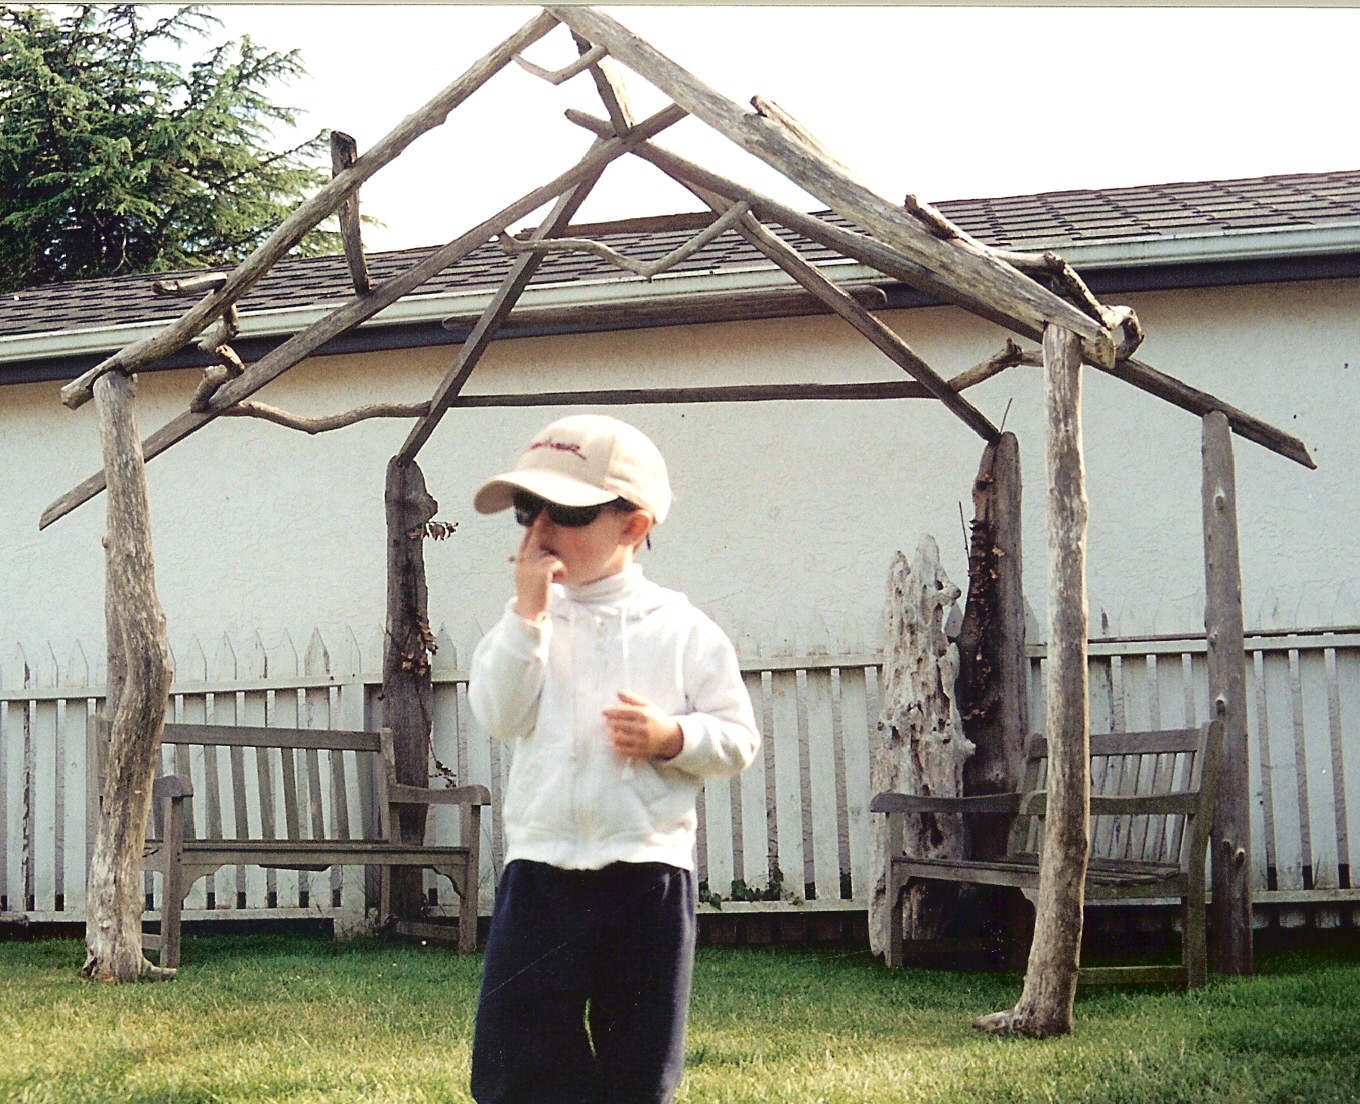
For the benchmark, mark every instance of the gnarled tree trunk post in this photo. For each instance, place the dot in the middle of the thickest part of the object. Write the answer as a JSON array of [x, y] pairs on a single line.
[[1231, 834], [994, 675], [139, 688], [407, 644], [993, 672], [918, 746], [1045, 1005]]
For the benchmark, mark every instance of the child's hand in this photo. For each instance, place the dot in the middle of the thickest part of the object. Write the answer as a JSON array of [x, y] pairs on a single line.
[[536, 569], [640, 730]]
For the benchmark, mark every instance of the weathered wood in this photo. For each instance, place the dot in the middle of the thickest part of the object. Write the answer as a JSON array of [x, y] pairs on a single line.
[[993, 671], [892, 263], [1149, 379], [521, 272], [408, 643], [243, 736], [858, 247], [884, 339], [691, 308], [918, 745], [1232, 953], [113, 939], [781, 146], [326, 422], [1045, 1005], [769, 392], [1173, 869], [344, 151], [716, 229], [190, 285], [183, 856], [308, 214], [609, 84], [561, 76], [304, 344]]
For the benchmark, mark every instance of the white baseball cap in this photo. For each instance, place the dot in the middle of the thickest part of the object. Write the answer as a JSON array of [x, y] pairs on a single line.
[[584, 460]]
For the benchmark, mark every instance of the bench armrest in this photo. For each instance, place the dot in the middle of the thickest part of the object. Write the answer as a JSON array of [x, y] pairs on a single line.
[[398, 794], [917, 803], [172, 786], [1036, 804]]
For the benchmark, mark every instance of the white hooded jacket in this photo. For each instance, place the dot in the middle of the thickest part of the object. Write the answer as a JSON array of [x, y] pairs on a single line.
[[571, 800]]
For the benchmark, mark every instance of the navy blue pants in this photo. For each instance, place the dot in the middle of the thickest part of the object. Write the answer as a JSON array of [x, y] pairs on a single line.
[[585, 993]]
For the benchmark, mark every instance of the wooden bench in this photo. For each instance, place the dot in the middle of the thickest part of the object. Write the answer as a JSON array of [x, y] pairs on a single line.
[[275, 823], [1152, 800]]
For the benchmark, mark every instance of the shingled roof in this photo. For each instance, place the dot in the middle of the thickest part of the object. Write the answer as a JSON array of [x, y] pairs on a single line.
[[1077, 223]]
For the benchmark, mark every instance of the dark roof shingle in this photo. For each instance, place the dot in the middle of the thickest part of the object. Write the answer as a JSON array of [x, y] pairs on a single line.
[[1050, 220]]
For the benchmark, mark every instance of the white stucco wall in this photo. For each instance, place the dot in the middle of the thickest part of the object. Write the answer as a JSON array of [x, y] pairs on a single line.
[[786, 516]]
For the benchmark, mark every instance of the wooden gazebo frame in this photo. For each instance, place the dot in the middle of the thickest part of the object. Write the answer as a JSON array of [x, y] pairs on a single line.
[[1037, 297]]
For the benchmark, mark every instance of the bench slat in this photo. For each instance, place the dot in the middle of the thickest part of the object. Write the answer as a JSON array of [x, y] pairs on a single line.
[[247, 736]]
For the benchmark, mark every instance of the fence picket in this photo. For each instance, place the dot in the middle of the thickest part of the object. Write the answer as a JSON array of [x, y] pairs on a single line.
[[754, 787], [47, 789], [72, 739], [252, 709], [817, 735], [856, 719], [1314, 758]]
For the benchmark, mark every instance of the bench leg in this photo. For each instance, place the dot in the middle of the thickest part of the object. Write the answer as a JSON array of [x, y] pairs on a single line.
[[1193, 952], [174, 888], [893, 953], [467, 911], [384, 895]]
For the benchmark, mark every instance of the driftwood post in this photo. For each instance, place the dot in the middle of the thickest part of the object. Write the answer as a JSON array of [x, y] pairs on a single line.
[[1231, 835], [993, 671], [139, 688], [918, 746], [407, 645], [1045, 1005]]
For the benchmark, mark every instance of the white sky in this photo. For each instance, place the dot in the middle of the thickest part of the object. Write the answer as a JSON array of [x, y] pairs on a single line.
[[945, 102]]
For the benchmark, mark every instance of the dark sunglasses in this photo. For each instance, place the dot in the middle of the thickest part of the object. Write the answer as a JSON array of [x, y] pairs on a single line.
[[529, 506]]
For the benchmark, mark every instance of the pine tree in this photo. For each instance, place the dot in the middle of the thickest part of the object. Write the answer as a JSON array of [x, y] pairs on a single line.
[[113, 160]]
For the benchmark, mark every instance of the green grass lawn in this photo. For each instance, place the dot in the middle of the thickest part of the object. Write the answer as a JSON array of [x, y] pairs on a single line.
[[265, 1017]]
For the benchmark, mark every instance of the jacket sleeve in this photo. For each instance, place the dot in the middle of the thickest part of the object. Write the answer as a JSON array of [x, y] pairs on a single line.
[[509, 665], [720, 734]]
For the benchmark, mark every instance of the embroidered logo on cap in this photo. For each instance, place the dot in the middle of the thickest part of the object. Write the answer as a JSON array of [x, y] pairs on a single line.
[[560, 446]]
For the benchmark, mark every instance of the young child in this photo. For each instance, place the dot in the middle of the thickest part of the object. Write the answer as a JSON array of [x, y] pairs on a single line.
[[619, 699]]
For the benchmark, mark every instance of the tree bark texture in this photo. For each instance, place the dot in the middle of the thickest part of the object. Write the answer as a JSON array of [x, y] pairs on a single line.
[[1231, 833], [918, 746], [407, 645], [139, 678], [993, 671], [1045, 1005]]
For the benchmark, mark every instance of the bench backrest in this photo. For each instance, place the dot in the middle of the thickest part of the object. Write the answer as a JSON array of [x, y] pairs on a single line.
[[1131, 765], [275, 783]]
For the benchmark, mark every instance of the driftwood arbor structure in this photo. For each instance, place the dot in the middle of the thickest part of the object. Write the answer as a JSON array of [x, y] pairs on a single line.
[[1039, 298]]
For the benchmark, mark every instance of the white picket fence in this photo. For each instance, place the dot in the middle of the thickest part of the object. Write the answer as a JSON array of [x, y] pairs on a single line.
[[802, 808]]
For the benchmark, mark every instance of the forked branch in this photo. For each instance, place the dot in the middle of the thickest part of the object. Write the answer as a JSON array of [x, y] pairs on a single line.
[[561, 76], [715, 229], [216, 343], [326, 421]]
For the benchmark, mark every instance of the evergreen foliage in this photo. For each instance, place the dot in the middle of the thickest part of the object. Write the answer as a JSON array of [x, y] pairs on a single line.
[[114, 160]]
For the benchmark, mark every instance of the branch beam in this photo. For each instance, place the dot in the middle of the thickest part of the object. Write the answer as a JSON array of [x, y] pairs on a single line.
[[344, 152], [999, 285], [718, 227], [561, 76], [302, 345], [879, 335], [138, 355]]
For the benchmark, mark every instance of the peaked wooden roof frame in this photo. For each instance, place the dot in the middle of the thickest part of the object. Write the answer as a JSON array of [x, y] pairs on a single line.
[[913, 243]]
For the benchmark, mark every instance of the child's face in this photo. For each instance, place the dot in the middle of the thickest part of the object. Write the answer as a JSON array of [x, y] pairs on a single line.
[[591, 552]]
